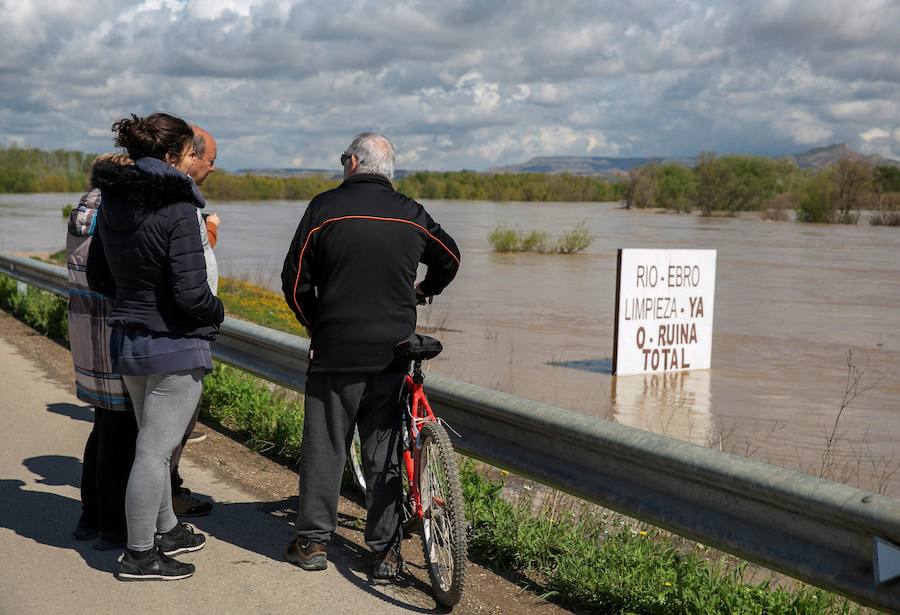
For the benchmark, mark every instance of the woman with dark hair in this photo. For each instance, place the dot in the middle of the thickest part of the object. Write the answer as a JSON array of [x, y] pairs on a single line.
[[148, 255]]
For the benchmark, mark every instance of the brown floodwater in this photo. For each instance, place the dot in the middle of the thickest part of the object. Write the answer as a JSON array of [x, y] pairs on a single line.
[[792, 301]]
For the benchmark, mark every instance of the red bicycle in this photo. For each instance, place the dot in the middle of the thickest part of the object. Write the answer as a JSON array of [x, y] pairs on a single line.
[[432, 491]]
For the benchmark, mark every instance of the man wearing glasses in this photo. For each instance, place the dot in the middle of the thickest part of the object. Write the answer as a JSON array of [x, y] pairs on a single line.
[[349, 277]]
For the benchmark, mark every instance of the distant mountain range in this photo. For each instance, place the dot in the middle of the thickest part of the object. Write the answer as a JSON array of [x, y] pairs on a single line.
[[817, 158], [289, 172], [821, 157], [300, 172]]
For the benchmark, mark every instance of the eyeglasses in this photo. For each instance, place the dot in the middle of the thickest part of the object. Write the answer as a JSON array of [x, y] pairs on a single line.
[[345, 157]]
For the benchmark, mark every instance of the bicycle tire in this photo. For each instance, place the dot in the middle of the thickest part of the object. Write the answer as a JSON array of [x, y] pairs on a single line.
[[444, 522], [355, 461]]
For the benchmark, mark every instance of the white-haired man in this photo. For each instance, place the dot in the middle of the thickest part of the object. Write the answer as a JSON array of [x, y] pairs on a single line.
[[203, 162], [349, 276]]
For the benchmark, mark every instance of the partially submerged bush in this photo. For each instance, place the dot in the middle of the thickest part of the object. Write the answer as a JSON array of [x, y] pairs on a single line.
[[505, 239], [777, 209], [887, 210], [889, 219], [813, 198], [536, 241], [576, 240]]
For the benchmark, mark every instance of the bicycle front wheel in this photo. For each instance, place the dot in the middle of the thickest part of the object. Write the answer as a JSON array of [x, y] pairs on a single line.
[[444, 519], [355, 461]]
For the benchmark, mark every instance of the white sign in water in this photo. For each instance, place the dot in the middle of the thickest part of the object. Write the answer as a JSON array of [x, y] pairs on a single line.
[[664, 310]]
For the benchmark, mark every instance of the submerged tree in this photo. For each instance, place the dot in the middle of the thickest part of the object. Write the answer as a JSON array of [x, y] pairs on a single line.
[[852, 182]]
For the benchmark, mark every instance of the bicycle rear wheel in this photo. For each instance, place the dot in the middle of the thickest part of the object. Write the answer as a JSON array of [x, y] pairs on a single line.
[[444, 521]]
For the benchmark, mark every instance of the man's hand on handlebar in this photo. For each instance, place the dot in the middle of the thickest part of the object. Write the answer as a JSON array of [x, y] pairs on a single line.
[[422, 298]]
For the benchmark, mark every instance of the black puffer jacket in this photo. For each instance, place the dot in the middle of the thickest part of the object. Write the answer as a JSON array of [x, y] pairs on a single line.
[[147, 251]]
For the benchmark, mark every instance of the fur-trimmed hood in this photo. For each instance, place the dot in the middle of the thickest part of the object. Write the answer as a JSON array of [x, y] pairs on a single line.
[[130, 192]]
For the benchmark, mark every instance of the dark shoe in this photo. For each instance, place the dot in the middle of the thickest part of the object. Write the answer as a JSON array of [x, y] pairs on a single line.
[[308, 555], [110, 541], [196, 436], [85, 530], [155, 566], [186, 505], [180, 539], [387, 566]]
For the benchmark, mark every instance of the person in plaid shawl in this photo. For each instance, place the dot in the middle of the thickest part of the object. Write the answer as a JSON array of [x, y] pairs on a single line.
[[109, 451]]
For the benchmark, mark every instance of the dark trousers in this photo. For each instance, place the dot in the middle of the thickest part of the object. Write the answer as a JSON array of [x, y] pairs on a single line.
[[108, 456], [335, 403]]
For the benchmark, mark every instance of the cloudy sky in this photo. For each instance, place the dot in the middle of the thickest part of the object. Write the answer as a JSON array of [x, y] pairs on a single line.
[[457, 83]]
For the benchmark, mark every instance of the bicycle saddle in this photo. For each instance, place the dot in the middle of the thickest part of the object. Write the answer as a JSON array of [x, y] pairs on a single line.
[[417, 348]]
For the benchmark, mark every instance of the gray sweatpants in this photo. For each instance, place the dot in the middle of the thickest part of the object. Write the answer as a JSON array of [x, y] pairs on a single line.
[[334, 404], [163, 406]]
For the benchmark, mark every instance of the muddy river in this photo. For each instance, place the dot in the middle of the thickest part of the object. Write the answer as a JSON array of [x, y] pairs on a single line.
[[791, 302]]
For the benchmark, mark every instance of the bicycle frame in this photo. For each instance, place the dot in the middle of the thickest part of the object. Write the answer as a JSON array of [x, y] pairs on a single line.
[[419, 412]]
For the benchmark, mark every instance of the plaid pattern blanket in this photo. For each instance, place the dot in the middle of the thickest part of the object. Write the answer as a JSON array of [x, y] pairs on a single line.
[[95, 382]]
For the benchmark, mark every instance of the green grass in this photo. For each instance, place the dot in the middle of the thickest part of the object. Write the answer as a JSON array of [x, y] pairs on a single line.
[[600, 563], [584, 558], [267, 418], [43, 311], [250, 302]]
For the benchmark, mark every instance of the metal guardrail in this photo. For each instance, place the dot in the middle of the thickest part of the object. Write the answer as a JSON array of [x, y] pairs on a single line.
[[827, 534]]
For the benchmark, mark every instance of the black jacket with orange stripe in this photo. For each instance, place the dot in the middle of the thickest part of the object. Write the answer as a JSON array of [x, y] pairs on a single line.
[[349, 274]]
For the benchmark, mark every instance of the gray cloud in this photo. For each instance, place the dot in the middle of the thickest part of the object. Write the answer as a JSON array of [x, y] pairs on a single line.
[[459, 83]]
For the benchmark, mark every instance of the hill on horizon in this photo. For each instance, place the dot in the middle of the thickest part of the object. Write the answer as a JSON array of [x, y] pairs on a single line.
[[816, 158], [304, 172], [607, 166]]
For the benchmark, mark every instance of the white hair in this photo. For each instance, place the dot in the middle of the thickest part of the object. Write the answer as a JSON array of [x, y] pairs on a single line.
[[375, 154]]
